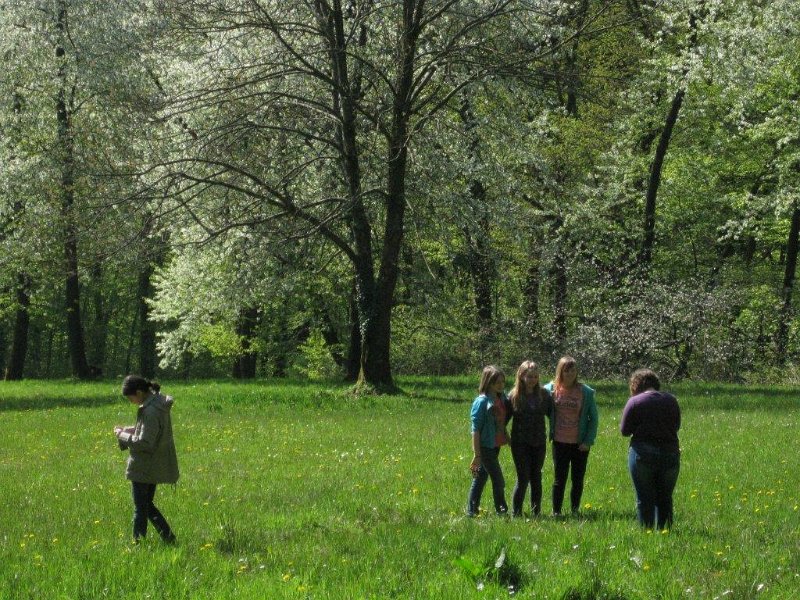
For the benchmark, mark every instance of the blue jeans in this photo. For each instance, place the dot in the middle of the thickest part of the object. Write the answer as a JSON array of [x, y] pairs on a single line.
[[564, 457], [490, 468], [654, 472], [144, 510], [528, 461]]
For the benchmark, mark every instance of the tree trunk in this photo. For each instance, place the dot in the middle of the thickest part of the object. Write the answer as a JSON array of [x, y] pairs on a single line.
[[375, 296], [530, 292], [649, 232], [481, 267], [19, 345], [375, 352], [483, 275], [649, 235], [353, 363], [244, 366], [3, 343], [147, 330], [98, 331], [132, 335], [560, 283], [782, 336], [356, 216], [75, 338], [152, 256]]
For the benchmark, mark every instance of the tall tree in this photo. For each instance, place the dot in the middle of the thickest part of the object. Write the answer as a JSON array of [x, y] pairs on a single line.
[[788, 285], [65, 107], [329, 91]]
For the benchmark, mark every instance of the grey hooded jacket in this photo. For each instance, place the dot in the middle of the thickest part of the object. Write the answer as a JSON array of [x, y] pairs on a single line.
[[153, 458]]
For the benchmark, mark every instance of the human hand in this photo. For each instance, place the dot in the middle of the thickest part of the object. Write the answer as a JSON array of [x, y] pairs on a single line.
[[584, 447], [117, 431], [475, 465]]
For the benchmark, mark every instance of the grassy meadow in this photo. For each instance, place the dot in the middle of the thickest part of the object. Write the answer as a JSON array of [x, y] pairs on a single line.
[[300, 490]]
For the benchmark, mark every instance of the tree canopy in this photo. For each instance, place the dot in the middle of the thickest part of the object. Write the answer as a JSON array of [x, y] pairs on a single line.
[[257, 188]]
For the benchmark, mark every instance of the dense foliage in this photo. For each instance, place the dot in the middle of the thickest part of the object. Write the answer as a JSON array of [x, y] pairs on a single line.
[[254, 187]]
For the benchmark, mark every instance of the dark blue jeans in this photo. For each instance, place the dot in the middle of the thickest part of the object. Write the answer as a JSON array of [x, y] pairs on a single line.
[[490, 468], [144, 510], [528, 462], [564, 457], [654, 473]]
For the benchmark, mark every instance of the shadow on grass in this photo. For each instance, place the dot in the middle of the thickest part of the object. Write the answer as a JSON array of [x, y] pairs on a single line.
[[611, 396], [23, 403]]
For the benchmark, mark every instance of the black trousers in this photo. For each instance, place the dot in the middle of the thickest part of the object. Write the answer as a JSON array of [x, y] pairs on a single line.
[[144, 510], [528, 462], [566, 458]]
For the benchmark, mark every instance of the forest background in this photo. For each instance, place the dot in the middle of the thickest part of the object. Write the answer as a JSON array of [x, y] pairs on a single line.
[[378, 187]]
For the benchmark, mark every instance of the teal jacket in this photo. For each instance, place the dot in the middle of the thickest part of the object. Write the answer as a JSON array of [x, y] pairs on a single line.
[[587, 426], [482, 418]]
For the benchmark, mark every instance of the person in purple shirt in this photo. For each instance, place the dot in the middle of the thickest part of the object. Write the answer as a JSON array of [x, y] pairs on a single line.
[[652, 419]]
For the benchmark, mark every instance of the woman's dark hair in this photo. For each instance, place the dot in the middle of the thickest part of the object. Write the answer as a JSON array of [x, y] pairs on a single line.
[[134, 383], [644, 379]]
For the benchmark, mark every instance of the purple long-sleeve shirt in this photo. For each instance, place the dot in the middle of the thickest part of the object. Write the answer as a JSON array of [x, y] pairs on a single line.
[[652, 417]]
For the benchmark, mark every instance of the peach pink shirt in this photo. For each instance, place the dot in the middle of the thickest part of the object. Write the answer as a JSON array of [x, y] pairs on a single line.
[[568, 404]]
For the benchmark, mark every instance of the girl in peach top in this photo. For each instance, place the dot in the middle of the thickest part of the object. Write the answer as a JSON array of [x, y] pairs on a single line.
[[573, 429]]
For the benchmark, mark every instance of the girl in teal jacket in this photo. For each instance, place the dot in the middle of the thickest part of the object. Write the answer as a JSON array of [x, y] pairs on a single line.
[[488, 417]]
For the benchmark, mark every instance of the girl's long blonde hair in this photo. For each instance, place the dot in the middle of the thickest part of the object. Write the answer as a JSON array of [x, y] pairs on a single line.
[[563, 363], [519, 384], [489, 376]]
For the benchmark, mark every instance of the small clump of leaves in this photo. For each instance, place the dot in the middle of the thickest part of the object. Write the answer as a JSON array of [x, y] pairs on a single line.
[[499, 571]]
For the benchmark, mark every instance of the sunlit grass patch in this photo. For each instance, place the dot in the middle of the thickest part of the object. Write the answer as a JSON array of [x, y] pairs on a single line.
[[300, 490]]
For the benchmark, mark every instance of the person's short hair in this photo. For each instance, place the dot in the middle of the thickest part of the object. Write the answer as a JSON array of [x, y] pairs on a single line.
[[644, 379]]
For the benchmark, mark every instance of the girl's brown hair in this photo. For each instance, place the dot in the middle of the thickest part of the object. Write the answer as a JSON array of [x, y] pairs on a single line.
[[489, 376], [564, 363], [519, 384]]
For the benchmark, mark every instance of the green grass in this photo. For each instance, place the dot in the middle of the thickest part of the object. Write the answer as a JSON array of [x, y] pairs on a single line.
[[298, 490]]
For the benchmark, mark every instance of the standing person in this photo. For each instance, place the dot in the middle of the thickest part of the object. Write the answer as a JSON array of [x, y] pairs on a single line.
[[573, 429], [489, 416], [652, 418], [532, 405], [152, 459]]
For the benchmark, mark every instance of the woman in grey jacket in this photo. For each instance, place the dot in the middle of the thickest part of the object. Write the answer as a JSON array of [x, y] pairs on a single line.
[[152, 459]]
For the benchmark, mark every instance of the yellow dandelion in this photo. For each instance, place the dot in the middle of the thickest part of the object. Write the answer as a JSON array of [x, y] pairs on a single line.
[[286, 577]]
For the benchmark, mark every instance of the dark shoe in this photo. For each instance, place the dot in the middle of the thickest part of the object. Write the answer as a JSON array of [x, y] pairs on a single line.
[[170, 539]]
